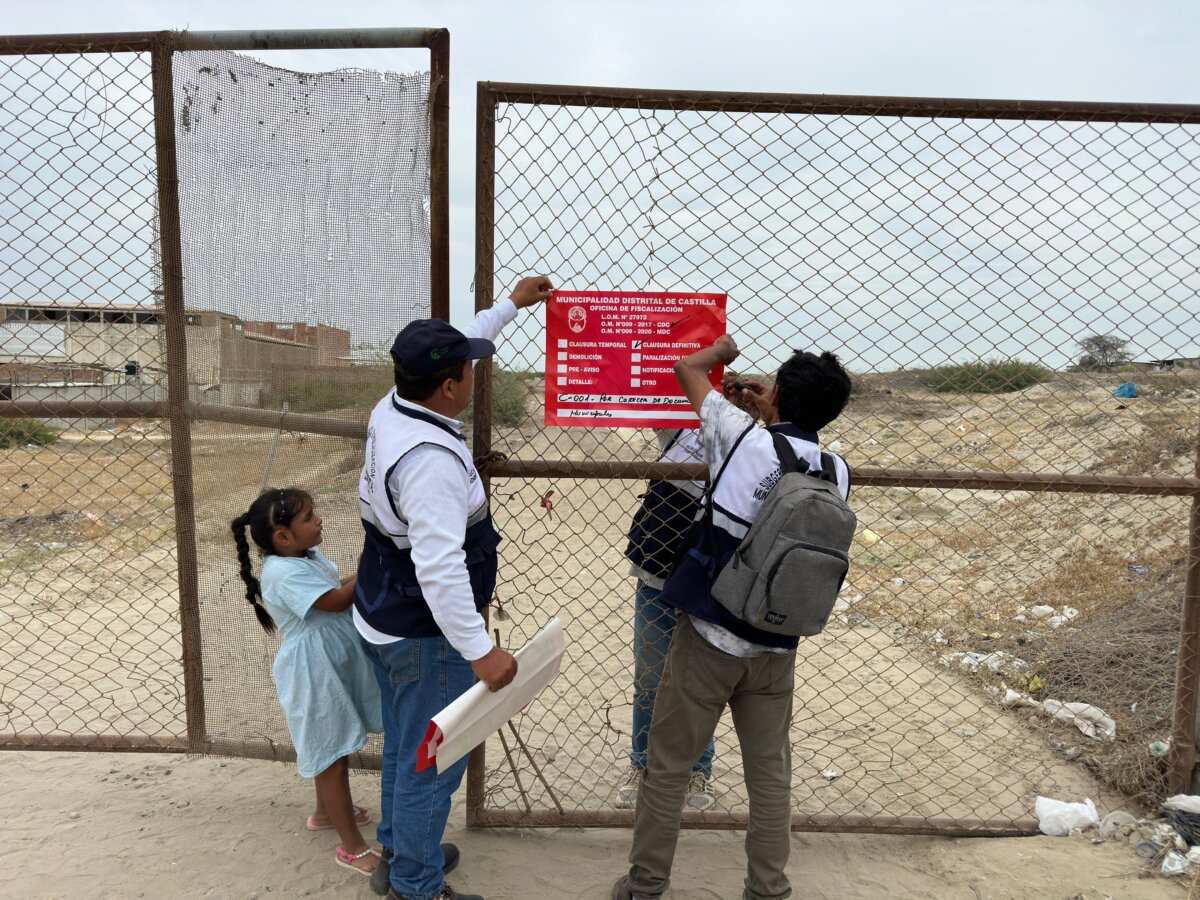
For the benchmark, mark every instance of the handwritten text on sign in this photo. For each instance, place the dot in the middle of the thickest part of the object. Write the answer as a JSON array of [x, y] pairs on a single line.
[[610, 356]]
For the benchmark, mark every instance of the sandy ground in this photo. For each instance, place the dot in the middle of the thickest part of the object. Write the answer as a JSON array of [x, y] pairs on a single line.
[[89, 628], [111, 827]]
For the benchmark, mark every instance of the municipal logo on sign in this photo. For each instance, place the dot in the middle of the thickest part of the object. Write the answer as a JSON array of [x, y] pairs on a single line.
[[576, 318]]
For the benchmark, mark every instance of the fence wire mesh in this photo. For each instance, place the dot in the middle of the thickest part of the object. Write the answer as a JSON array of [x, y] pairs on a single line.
[[990, 281], [88, 608], [304, 210], [308, 207]]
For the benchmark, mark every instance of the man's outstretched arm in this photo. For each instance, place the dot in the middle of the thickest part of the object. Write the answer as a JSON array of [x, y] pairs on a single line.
[[692, 371]]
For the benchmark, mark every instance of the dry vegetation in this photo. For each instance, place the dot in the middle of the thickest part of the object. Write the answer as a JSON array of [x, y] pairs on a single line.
[[86, 545]]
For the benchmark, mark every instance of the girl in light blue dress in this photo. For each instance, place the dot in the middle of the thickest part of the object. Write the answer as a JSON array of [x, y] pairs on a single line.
[[326, 687]]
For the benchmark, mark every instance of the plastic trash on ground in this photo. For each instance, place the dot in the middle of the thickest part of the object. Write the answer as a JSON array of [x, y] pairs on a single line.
[[973, 660], [1183, 802], [1125, 391], [1182, 812], [1057, 818], [1091, 720], [1174, 863], [1112, 824], [1014, 700]]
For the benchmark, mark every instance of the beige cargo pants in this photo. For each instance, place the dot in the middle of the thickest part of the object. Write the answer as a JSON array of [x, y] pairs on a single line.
[[698, 683]]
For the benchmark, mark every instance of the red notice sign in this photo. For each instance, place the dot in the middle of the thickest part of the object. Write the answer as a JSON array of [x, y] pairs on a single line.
[[610, 356]]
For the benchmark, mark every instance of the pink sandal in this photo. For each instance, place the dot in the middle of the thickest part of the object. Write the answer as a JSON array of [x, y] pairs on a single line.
[[347, 860], [361, 817]]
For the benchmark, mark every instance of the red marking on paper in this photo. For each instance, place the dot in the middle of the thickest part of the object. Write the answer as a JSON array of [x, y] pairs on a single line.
[[610, 356], [427, 751]]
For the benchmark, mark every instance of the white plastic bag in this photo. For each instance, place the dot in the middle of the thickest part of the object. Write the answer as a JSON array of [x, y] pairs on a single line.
[[1057, 818], [1183, 802], [1091, 720]]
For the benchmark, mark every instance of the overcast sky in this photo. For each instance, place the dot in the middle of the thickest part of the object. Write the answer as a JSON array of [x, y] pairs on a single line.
[[1015, 49]]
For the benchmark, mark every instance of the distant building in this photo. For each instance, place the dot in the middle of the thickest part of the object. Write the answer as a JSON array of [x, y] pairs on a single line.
[[1166, 365], [229, 360]]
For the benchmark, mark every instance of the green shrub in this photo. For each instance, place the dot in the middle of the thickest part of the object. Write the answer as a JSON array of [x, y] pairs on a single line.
[[510, 398], [19, 432], [993, 376], [356, 388], [362, 387]]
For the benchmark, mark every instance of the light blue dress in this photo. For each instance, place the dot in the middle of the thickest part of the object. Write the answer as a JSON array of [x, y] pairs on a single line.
[[325, 683]]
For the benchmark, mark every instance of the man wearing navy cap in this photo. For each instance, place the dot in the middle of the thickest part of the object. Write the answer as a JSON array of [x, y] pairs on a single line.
[[428, 569]]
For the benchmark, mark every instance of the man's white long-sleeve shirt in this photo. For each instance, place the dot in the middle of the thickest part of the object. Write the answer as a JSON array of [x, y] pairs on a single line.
[[430, 488]]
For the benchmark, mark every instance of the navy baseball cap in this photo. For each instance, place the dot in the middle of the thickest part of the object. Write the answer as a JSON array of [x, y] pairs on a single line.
[[428, 345]]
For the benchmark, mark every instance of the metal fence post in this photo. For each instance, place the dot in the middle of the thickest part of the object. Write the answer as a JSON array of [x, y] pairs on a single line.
[[485, 139], [1185, 735], [177, 389], [439, 175]]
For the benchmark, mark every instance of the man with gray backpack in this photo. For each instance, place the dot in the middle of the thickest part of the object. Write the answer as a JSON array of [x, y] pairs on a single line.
[[760, 567]]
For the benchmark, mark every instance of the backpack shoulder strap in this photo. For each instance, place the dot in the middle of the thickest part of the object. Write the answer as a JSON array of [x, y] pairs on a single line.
[[828, 469], [712, 484], [712, 487], [788, 461], [672, 442]]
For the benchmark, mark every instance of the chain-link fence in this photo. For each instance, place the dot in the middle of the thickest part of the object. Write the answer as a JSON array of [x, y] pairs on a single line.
[[992, 274], [91, 649], [188, 314], [202, 257]]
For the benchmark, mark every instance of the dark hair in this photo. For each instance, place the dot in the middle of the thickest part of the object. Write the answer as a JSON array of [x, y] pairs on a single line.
[[813, 390], [273, 509], [416, 388]]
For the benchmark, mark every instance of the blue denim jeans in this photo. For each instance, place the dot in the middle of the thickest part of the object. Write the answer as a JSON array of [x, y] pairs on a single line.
[[653, 625], [418, 678]]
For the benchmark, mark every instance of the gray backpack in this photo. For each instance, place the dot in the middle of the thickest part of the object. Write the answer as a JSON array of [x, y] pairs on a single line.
[[786, 573]]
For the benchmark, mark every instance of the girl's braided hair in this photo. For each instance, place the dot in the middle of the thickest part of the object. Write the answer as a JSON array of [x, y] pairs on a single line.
[[273, 509]]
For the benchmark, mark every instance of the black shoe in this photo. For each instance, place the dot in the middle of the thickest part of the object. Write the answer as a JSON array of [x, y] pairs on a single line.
[[381, 878], [448, 893]]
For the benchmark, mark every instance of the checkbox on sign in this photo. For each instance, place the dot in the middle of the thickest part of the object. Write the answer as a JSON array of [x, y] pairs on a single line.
[[637, 357], [635, 370], [562, 379], [635, 382], [562, 369], [562, 342]]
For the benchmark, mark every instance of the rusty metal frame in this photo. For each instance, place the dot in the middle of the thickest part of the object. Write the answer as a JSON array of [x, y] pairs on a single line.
[[1183, 759], [161, 46]]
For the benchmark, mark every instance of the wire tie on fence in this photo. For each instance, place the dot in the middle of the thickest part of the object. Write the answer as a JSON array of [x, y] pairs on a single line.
[[482, 462]]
